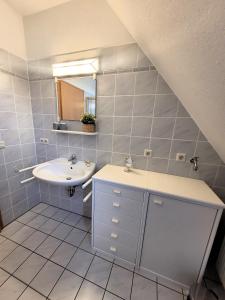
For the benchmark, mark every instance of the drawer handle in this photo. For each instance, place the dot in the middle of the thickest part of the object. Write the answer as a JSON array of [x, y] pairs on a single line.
[[115, 204], [113, 249], [114, 235], [158, 202], [114, 220], [118, 192]]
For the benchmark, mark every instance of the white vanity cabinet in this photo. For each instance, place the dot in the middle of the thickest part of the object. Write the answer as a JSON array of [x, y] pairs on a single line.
[[117, 218], [163, 224], [176, 238]]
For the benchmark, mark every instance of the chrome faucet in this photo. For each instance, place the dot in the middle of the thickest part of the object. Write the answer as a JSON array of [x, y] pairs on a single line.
[[128, 164], [73, 159], [194, 161]]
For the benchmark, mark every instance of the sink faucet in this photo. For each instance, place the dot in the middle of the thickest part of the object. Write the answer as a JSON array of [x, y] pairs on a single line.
[[128, 164], [73, 159]]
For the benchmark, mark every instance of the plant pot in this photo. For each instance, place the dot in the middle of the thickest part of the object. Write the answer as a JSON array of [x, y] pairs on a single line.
[[88, 127]]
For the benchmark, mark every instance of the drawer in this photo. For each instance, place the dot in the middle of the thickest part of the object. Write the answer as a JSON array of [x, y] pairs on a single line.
[[113, 203], [116, 219], [119, 190], [115, 235], [115, 249]]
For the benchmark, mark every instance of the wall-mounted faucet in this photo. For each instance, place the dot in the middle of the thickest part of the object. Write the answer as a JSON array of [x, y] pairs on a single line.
[[128, 164], [194, 161], [73, 159]]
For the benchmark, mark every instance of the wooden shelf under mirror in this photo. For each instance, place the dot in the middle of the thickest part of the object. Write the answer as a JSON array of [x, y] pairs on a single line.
[[75, 132]]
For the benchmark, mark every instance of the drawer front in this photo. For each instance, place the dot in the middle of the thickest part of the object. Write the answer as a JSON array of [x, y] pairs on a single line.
[[119, 190], [115, 249], [116, 219], [115, 235], [113, 203]]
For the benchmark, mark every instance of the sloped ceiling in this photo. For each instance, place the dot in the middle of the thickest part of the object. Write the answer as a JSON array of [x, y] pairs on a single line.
[[186, 42]]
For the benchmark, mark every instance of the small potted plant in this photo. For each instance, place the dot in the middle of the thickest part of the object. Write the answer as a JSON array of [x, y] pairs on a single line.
[[88, 121]]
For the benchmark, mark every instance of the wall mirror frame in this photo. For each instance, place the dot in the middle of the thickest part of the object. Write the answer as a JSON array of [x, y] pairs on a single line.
[[76, 95]]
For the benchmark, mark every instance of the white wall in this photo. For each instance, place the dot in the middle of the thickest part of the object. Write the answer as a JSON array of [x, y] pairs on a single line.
[[73, 26], [185, 41], [11, 31]]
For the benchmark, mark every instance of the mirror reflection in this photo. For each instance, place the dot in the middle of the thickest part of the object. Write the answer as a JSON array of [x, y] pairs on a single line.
[[76, 96]]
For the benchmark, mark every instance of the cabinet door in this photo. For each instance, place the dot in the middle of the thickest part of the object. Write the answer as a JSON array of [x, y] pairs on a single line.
[[176, 236]]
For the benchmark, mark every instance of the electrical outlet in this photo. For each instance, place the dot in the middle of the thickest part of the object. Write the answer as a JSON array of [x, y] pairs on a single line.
[[181, 157], [2, 144], [44, 140], [148, 152]]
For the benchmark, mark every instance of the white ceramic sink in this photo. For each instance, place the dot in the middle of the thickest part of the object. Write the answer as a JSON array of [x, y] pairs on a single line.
[[62, 172]]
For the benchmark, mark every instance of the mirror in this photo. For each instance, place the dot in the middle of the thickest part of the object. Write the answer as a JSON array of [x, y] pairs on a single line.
[[76, 96]]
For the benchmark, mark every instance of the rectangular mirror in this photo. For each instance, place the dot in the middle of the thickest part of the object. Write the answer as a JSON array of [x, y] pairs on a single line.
[[76, 96]]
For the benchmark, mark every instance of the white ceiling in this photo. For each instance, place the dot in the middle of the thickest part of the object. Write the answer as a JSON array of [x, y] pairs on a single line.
[[29, 7], [185, 41]]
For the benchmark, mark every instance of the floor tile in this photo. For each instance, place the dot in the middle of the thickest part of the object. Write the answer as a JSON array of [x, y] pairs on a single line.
[[49, 226], [105, 256], [72, 219], [27, 217], [40, 207], [15, 259], [30, 294], [63, 254], [37, 221], [3, 276], [49, 211], [90, 291], [47, 248], [80, 262], [2, 239], [109, 296], [124, 264], [60, 215], [99, 271], [11, 289], [61, 231], [12, 228], [84, 224], [75, 237], [34, 240], [67, 287], [143, 288], [86, 244], [30, 268], [120, 282], [21, 235], [167, 294], [46, 278], [6, 248]]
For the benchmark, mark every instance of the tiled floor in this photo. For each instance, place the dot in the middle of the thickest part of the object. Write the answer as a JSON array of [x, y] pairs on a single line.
[[46, 254]]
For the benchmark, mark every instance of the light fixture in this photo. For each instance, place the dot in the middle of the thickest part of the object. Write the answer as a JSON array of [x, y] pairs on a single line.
[[77, 67]]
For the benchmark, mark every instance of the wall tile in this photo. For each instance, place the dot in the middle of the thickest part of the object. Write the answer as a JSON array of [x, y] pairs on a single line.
[[121, 143], [185, 129], [145, 82], [105, 125], [122, 125], [207, 154], [165, 106], [105, 106], [160, 147], [162, 127], [125, 84], [143, 105], [162, 86], [141, 126], [126, 56], [104, 142], [138, 145], [105, 85], [123, 105]]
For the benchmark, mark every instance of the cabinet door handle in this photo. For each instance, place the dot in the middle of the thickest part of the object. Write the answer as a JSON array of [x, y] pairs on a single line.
[[114, 235], [114, 220], [113, 249], [158, 202], [118, 192], [115, 204]]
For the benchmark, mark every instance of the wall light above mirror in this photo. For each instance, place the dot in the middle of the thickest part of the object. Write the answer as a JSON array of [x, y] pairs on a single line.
[[78, 67]]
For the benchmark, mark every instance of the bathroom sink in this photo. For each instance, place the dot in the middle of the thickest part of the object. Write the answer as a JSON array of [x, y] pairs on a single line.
[[62, 172]]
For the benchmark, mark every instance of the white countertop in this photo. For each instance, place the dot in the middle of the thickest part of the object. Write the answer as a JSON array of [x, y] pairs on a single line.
[[159, 183]]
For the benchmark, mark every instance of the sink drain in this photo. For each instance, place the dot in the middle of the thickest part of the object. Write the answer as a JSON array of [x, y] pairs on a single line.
[[68, 178]]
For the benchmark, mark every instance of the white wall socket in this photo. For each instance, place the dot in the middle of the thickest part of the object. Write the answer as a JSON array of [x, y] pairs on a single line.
[[148, 152], [181, 156], [44, 140], [2, 144]]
